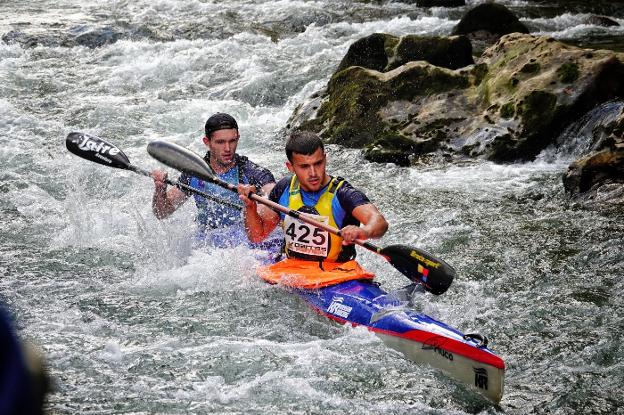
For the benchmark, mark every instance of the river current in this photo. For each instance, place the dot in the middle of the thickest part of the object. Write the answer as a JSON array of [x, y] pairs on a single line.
[[132, 318]]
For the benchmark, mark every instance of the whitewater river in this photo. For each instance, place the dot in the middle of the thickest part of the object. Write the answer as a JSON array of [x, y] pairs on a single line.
[[132, 318]]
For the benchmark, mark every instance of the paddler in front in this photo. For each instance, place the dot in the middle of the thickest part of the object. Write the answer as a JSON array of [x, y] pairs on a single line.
[[315, 257]]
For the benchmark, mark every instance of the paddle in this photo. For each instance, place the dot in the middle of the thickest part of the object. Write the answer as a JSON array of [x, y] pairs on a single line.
[[99, 151], [417, 265]]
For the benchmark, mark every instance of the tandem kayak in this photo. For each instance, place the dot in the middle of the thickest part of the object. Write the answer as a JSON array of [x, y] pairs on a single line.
[[419, 337]]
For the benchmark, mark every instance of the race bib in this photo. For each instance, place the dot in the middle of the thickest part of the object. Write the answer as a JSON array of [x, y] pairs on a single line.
[[306, 239]]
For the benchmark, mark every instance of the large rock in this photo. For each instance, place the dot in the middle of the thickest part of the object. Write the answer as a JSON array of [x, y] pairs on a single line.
[[508, 106], [491, 17], [382, 52], [603, 166]]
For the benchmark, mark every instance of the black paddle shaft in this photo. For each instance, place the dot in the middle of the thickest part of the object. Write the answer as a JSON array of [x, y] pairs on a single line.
[[98, 150]]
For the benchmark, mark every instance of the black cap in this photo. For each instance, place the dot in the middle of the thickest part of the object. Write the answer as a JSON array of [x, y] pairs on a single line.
[[220, 121]]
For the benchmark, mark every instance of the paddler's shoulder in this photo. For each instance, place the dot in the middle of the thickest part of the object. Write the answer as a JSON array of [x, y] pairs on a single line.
[[256, 173], [280, 187]]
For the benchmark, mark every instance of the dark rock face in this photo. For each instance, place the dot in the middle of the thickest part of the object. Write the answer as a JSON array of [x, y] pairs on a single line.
[[604, 165], [490, 17], [448, 52], [369, 52], [82, 35], [602, 21], [382, 52]]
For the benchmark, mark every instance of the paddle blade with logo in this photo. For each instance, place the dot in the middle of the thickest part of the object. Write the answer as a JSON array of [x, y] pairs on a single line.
[[421, 267], [97, 150]]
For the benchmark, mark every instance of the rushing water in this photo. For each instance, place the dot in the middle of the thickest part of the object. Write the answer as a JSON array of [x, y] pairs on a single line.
[[133, 319]]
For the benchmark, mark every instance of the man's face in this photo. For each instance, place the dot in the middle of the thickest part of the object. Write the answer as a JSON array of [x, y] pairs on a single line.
[[310, 170], [222, 145]]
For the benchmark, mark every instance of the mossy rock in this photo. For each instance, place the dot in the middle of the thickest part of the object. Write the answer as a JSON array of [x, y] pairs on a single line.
[[369, 52], [355, 96], [531, 68], [490, 17], [537, 110], [507, 110], [448, 52], [568, 72]]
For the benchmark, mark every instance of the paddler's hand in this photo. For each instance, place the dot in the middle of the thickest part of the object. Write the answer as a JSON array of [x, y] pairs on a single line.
[[351, 232], [243, 193], [160, 180]]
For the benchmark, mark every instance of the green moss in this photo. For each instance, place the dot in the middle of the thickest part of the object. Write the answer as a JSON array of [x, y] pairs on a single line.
[[479, 72], [507, 110], [537, 109], [568, 72], [531, 68], [356, 95]]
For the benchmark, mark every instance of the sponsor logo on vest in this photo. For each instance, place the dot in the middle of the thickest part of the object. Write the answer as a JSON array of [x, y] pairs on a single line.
[[307, 248], [339, 309], [101, 149], [481, 378]]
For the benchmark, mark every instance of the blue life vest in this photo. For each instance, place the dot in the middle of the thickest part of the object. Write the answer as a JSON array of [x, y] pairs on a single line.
[[222, 226], [213, 215]]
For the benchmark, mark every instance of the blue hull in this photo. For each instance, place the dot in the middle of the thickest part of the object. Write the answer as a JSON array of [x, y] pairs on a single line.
[[419, 337]]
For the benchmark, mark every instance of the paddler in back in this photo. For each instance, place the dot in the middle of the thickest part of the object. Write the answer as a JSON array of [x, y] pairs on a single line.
[[218, 225], [315, 257]]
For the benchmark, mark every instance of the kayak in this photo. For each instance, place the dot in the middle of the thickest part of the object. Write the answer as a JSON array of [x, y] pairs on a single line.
[[419, 337]]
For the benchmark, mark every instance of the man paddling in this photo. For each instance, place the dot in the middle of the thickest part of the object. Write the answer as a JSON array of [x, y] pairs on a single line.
[[328, 199], [219, 225]]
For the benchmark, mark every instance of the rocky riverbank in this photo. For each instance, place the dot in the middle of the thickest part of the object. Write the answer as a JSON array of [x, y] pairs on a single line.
[[407, 99]]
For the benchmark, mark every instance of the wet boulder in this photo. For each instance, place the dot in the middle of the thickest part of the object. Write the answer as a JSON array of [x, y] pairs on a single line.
[[451, 52], [486, 23], [369, 52], [604, 21], [354, 113], [490, 17], [382, 52], [603, 167], [93, 36]]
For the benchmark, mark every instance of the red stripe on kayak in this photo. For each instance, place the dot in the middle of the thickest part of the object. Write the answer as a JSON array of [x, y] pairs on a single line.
[[431, 340]]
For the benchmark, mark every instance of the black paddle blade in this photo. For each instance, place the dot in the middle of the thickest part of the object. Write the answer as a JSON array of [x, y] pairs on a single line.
[[96, 150], [421, 267], [180, 158]]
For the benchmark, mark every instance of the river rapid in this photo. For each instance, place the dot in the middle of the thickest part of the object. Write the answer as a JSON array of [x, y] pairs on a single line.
[[133, 318]]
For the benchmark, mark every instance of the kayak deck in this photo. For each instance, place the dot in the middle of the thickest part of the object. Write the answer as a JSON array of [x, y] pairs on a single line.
[[419, 337]]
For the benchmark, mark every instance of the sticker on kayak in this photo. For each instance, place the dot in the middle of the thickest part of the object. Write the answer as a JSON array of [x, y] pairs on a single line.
[[339, 309], [481, 378]]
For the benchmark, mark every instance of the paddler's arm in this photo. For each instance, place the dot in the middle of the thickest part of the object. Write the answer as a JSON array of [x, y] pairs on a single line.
[[259, 219], [374, 225], [165, 202]]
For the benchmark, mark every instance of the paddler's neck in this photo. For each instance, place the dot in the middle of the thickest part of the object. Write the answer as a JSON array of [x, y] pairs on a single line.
[[219, 167]]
